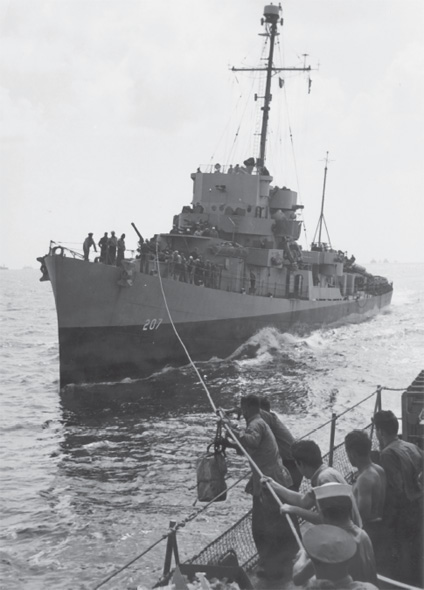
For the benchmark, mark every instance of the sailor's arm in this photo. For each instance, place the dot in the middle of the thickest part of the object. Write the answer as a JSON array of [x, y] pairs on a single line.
[[308, 515], [289, 496], [250, 438]]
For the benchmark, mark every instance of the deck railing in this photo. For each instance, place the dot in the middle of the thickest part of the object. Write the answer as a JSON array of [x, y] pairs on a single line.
[[239, 538]]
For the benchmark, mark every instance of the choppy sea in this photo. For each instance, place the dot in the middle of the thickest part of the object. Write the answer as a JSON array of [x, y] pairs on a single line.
[[86, 488]]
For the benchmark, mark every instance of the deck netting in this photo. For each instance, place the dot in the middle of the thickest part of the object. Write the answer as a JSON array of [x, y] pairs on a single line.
[[238, 539]]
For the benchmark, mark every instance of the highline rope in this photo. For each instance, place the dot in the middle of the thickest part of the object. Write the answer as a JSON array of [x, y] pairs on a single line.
[[220, 412]]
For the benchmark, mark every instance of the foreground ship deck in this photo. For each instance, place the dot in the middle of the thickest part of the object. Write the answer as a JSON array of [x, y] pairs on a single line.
[[233, 554], [236, 546]]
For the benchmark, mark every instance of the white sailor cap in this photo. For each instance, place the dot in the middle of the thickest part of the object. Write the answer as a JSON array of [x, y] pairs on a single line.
[[334, 494]]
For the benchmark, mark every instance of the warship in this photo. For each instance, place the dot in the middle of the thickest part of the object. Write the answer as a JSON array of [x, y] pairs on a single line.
[[230, 266]]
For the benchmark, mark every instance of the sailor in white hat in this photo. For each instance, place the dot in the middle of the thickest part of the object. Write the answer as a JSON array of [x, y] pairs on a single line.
[[332, 494]]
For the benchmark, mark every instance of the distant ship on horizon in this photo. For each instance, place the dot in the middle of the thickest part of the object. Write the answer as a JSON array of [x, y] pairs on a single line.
[[385, 261]]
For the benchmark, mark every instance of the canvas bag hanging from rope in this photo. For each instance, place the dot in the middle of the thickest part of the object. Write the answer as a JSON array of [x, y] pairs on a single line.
[[211, 470]]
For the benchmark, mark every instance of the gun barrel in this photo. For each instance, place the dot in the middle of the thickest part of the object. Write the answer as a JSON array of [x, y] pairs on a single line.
[[136, 231]]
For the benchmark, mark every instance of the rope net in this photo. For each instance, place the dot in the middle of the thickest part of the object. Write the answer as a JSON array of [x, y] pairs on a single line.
[[238, 538]]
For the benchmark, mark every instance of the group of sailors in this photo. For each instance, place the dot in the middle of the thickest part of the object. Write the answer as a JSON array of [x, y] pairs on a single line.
[[352, 531], [192, 269], [200, 228], [112, 248], [247, 168]]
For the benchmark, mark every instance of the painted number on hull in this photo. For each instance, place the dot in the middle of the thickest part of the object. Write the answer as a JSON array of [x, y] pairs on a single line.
[[152, 324]]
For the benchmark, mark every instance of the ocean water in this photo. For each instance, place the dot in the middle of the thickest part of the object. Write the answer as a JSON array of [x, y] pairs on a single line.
[[87, 487]]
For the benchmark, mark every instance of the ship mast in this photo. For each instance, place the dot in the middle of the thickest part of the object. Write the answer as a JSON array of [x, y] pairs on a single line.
[[271, 21], [321, 220]]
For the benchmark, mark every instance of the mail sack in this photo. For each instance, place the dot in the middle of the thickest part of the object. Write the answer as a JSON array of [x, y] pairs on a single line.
[[211, 470]]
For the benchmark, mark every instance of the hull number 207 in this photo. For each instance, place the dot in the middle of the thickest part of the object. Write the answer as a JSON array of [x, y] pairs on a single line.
[[152, 324]]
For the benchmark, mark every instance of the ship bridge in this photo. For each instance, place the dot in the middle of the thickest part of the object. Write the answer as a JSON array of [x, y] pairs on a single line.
[[238, 202]]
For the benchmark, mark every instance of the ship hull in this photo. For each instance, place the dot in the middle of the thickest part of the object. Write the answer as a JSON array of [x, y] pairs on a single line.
[[108, 332]]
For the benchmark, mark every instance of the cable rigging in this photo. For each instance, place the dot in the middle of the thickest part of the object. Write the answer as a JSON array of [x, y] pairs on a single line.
[[321, 220]]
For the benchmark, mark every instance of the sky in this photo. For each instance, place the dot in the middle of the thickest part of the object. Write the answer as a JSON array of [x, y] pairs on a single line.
[[108, 106]]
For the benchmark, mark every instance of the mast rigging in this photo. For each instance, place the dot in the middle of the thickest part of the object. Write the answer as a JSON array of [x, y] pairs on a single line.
[[271, 20], [321, 220]]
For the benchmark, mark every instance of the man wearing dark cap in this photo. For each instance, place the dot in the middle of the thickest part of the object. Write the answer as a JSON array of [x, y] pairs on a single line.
[[334, 501], [403, 511], [88, 242], [330, 550]]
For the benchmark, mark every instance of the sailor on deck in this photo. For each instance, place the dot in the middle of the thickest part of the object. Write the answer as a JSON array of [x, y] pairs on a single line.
[[88, 242], [144, 256], [103, 245], [284, 439], [334, 502], [330, 549], [112, 245], [121, 250], [403, 511], [307, 456], [271, 533], [369, 489]]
